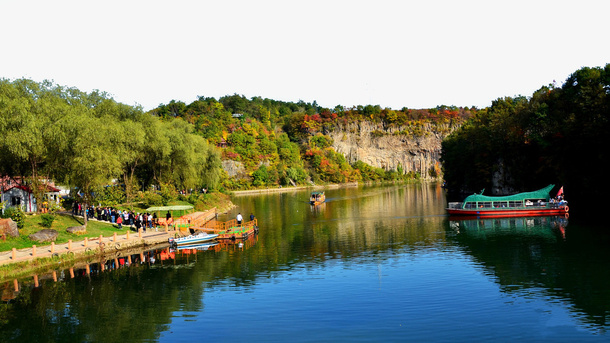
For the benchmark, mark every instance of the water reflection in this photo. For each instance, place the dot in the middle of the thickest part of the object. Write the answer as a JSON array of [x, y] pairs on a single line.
[[367, 256], [318, 209], [494, 228], [535, 257]]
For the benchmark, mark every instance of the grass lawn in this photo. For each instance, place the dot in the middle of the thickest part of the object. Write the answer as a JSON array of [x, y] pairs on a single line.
[[60, 224]]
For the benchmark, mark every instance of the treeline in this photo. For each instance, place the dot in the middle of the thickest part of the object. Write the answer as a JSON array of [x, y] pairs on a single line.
[[558, 135], [215, 119], [85, 140], [283, 143]]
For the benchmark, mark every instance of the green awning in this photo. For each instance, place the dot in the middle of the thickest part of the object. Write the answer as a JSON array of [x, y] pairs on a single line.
[[170, 208], [539, 194]]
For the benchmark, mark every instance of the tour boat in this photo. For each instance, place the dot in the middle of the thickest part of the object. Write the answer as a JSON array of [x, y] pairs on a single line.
[[536, 203], [193, 239], [317, 198]]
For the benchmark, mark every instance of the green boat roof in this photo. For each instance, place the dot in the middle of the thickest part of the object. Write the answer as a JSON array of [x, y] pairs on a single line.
[[543, 193], [317, 192]]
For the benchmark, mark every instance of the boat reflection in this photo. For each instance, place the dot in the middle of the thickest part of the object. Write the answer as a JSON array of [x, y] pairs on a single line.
[[542, 226], [200, 247], [319, 208], [222, 245]]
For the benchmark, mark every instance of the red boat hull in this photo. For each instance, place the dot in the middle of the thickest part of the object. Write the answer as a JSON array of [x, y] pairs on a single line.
[[507, 212]]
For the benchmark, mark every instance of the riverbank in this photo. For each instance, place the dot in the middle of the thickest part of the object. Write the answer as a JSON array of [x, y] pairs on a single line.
[[327, 186], [293, 188], [24, 261], [14, 261]]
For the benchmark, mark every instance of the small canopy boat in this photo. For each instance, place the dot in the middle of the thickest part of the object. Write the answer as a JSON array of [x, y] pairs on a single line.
[[316, 198]]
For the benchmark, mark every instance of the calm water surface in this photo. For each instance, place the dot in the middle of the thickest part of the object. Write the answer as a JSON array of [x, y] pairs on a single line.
[[371, 264]]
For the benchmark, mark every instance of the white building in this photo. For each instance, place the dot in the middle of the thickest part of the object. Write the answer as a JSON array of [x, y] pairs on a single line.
[[22, 196]]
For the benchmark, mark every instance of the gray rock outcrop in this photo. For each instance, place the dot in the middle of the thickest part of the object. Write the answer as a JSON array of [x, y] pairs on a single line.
[[77, 230], [45, 235], [412, 148], [235, 169]]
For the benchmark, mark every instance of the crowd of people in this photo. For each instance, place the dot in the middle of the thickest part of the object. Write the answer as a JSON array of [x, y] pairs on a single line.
[[117, 216]]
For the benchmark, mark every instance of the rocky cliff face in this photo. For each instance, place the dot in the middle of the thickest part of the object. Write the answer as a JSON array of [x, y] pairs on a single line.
[[414, 149]]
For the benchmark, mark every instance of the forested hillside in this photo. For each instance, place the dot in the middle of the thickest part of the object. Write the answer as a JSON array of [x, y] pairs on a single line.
[[557, 135], [272, 143]]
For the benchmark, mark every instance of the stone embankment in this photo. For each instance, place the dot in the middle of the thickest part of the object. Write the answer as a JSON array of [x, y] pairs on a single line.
[[89, 245]]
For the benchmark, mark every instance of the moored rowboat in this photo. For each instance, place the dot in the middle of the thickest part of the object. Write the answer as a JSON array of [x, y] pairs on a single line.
[[193, 239]]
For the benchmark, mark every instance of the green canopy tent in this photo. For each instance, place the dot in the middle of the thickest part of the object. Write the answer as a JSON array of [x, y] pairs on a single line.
[[181, 209]]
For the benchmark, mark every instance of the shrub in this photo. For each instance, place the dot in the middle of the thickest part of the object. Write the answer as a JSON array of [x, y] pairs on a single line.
[[16, 214], [47, 219], [151, 199]]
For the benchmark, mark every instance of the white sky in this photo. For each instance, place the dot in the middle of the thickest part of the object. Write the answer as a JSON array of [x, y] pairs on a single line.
[[415, 54]]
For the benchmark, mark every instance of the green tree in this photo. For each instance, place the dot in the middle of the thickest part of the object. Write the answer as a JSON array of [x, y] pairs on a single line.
[[89, 160], [260, 176], [131, 152], [29, 134]]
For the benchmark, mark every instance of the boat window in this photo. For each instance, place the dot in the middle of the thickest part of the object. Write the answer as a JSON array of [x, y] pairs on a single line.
[[500, 204], [485, 204], [515, 203]]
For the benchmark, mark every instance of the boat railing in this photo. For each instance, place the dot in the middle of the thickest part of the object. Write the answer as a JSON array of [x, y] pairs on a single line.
[[490, 205], [455, 205]]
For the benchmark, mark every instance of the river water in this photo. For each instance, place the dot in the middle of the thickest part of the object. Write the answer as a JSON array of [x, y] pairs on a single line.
[[373, 263]]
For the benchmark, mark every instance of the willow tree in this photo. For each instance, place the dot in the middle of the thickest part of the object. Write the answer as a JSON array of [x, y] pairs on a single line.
[[91, 159], [175, 155], [185, 154], [29, 134], [210, 165], [157, 148], [130, 151]]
